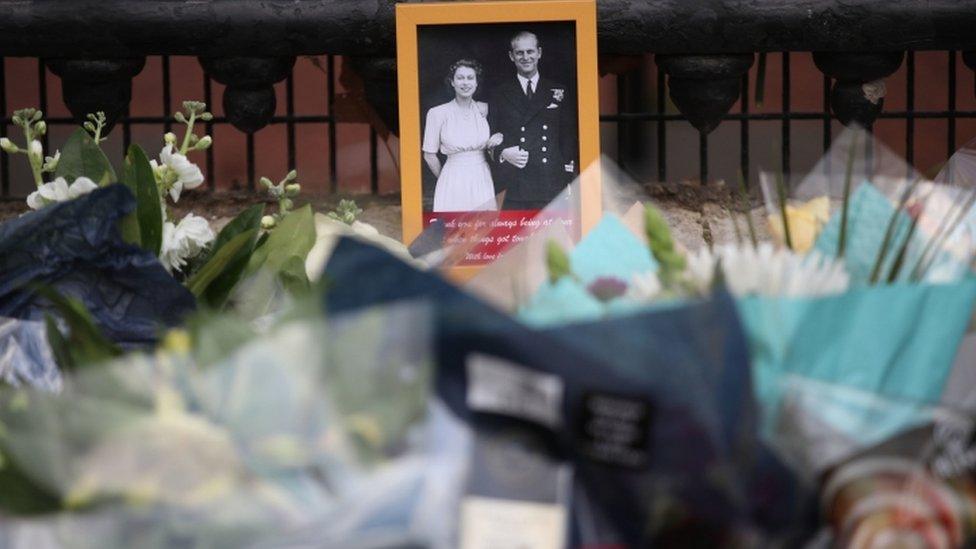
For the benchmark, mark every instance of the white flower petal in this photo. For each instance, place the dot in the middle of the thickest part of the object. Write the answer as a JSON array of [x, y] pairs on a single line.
[[81, 186], [184, 241], [36, 201]]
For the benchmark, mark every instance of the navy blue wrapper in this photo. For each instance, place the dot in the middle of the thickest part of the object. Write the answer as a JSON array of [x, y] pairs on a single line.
[[694, 471], [76, 248]]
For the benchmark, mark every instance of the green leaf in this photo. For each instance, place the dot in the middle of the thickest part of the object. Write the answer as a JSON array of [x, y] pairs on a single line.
[[225, 256], [662, 245], [293, 277], [557, 261], [217, 291], [85, 343], [20, 495], [245, 221], [217, 335], [138, 176], [82, 157], [293, 237]]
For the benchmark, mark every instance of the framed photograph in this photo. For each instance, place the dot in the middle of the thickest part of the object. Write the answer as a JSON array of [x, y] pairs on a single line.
[[499, 115]]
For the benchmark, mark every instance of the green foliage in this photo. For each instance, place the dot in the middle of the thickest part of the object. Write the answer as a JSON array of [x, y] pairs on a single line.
[[781, 197], [229, 255], [138, 176], [557, 261], [249, 221], [347, 212], [293, 277], [294, 236], [82, 157], [217, 335], [19, 494], [85, 343], [662, 245], [848, 172]]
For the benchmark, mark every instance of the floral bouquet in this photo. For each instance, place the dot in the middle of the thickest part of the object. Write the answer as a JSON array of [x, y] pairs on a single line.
[[877, 301], [659, 436], [225, 437]]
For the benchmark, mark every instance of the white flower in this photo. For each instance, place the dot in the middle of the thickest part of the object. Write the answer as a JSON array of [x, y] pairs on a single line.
[[327, 234], [184, 241], [188, 174], [51, 162], [59, 191], [767, 271], [644, 286]]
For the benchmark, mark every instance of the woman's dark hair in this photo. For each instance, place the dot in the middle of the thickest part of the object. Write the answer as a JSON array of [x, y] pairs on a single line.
[[469, 63]]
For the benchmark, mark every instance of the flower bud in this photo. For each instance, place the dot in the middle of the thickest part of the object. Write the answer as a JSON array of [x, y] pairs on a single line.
[[40, 128], [204, 142], [292, 175], [36, 149], [206, 117], [169, 138], [293, 189], [266, 182], [286, 204], [179, 117], [37, 116], [267, 222], [8, 146]]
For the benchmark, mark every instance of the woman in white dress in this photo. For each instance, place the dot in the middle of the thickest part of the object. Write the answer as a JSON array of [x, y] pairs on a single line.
[[459, 130]]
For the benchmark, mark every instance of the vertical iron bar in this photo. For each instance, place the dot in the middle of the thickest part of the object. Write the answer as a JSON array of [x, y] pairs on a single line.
[[290, 118], [250, 161], [786, 114], [826, 113], [167, 96], [126, 130], [42, 92], [910, 109], [952, 104], [333, 164], [662, 131], [374, 172], [208, 99], [4, 158], [622, 137], [744, 130], [703, 157]]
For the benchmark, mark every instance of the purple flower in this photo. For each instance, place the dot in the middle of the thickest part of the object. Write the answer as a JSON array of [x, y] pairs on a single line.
[[606, 288]]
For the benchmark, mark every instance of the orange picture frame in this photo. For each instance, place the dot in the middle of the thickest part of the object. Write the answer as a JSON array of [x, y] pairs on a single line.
[[411, 17]]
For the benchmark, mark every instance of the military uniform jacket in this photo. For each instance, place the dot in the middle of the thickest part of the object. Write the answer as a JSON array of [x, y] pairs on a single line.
[[545, 126]]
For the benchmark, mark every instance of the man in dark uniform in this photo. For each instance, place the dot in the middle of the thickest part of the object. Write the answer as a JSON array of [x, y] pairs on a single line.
[[537, 116]]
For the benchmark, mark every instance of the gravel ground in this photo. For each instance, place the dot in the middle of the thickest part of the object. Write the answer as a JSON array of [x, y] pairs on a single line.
[[698, 215]]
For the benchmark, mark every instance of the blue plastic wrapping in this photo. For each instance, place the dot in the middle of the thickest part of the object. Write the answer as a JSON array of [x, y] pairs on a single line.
[[76, 248], [25, 357], [683, 373]]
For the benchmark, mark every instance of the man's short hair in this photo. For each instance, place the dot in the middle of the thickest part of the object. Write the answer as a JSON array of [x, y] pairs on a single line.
[[523, 34]]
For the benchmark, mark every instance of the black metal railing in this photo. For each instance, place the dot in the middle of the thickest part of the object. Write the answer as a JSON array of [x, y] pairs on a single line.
[[329, 181], [703, 50], [657, 112]]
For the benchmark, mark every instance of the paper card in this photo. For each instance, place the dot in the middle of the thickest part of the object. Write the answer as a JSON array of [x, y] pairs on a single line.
[[488, 523]]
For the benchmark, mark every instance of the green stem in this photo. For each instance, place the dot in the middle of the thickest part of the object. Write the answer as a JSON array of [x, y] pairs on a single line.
[[189, 131], [781, 192], [746, 206], [890, 230], [848, 173], [900, 258], [918, 272]]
